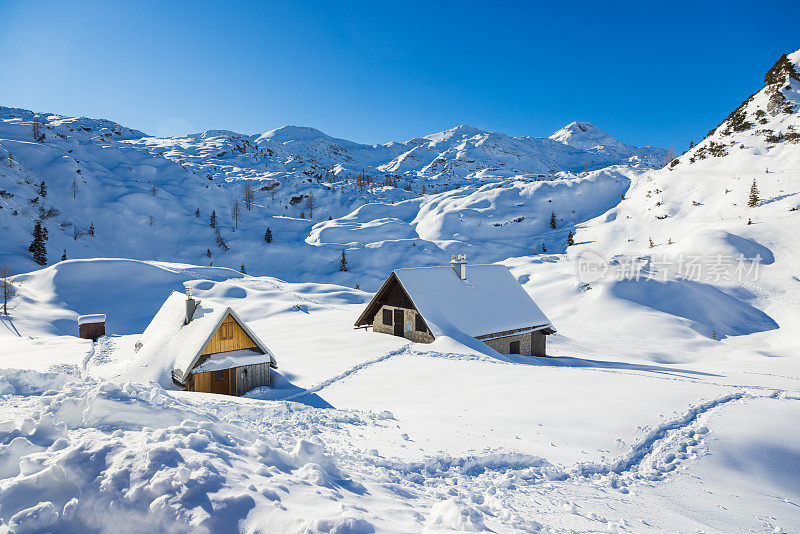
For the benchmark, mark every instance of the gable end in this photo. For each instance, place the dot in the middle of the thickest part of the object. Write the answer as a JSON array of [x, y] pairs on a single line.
[[391, 293]]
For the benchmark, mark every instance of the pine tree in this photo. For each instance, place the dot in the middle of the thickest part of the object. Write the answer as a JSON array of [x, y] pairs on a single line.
[[242, 269], [37, 247], [754, 195], [221, 241], [570, 239], [197, 212], [553, 220], [544, 248], [343, 262], [651, 243], [208, 252], [268, 235], [212, 222], [91, 229], [74, 188], [64, 255], [42, 189]]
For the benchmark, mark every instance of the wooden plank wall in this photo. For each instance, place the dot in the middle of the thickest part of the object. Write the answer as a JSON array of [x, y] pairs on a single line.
[[538, 344], [251, 376], [240, 339], [207, 383]]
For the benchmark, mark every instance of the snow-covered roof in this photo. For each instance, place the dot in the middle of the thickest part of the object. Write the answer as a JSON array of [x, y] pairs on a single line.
[[166, 337], [489, 301], [228, 360], [92, 318]]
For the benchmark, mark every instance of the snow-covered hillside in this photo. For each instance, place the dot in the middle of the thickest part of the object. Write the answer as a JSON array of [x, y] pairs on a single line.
[[114, 192], [668, 401]]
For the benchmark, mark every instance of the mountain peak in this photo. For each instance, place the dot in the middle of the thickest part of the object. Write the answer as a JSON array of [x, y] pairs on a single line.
[[584, 135], [461, 131]]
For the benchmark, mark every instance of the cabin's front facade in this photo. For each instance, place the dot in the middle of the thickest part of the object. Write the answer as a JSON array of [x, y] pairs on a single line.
[[216, 371], [213, 349], [450, 299]]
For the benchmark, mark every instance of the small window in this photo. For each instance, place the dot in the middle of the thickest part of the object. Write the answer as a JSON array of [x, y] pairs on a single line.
[[226, 331], [219, 376], [514, 347], [419, 324], [387, 316]]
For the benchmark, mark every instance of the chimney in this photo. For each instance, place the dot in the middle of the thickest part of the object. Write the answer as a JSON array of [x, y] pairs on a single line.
[[459, 265], [191, 305]]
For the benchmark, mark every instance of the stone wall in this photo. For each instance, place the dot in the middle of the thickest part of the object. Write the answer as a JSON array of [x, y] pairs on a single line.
[[528, 346], [409, 319]]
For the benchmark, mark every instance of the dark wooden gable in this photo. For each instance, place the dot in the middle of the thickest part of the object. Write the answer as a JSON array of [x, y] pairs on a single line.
[[391, 293]]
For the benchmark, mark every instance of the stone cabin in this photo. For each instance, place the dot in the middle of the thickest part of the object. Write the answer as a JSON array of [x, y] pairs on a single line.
[[209, 348], [483, 301]]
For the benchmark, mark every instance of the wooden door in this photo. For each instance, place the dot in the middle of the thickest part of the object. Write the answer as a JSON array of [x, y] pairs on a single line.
[[514, 347], [398, 322], [221, 381]]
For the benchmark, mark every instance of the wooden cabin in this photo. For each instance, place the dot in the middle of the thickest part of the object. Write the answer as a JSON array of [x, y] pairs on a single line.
[[483, 301], [211, 349], [91, 326]]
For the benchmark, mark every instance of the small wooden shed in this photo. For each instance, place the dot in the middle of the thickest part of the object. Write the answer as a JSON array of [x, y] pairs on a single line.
[[211, 349], [91, 326]]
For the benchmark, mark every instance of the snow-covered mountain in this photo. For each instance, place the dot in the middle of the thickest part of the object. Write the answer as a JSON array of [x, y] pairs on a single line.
[[116, 192], [588, 137]]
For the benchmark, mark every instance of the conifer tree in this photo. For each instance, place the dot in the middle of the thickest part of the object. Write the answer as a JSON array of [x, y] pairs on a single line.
[[343, 262], [544, 248], [64, 255], [208, 252], [268, 235], [242, 269], [754, 195], [212, 222], [91, 229], [221, 241], [42, 189], [553, 220], [74, 188], [570, 239], [197, 212], [37, 247]]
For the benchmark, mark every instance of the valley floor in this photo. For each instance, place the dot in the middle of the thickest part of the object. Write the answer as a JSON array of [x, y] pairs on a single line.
[[366, 432]]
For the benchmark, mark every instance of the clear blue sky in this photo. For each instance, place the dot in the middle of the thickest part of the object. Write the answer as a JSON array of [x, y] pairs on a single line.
[[646, 72]]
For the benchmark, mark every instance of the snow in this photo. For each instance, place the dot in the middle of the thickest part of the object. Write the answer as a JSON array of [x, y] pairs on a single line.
[[231, 359], [93, 318], [490, 300], [667, 402]]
